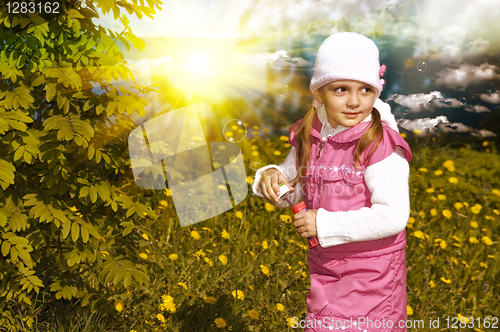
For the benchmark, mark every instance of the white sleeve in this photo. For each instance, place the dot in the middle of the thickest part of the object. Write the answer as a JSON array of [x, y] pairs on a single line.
[[387, 181], [289, 170]]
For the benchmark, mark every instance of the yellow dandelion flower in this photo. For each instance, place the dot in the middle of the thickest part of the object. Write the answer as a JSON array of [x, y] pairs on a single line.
[[409, 310], [143, 255], [286, 218], [495, 192], [209, 261], [277, 153], [249, 179], [438, 172], [195, 235], [485, 143], [264, 269], [465, 263], [238, 214], [483, 265], [304, 275], [210, 299], [280, 307], [419, 235], [452, 180], [447, 281], [284, 138], [442, 244], [290, 323], [491, 256], [473, 224], [183, 285], [466, 204], [422, 169], [487, 240], [225, 234], [433, 212], [73, 208], [441, 197], [291, 241], [275, 243], [223, 259], [161, 318], [168, 192], [119, 305], [145, 237], [416, 131], [447, 213], [421, 214], [432, 284], [269, 207], [265, 245], [476, 209], [451, 169], [448, 163], [256, 127], [429, 190], [403, 135], [411, 220], [489, 218], [238, 294], [456, 238], [164, 203], [253, 314], [250, 287], [173, 257], [255, 153], [497, 212], [287, 145], [458, 205], [220, 323], [472, 239]]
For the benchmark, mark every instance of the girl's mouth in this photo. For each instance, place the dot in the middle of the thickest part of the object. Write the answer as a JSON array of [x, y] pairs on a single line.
[[351, 115]]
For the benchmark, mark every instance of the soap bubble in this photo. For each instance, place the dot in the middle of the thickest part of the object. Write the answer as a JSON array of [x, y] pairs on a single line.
[[405, 112], [463, 101], [283, 91], [234, 130], [190, 192], [421, 66], [190, 146]]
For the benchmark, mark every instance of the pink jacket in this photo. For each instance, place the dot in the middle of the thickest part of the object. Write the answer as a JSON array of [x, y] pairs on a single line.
[[334, 184]]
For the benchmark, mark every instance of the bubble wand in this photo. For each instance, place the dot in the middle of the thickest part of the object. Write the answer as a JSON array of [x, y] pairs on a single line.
[[313, 241]]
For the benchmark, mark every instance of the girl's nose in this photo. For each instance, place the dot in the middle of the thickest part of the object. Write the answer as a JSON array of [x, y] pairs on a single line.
[[353, 100]]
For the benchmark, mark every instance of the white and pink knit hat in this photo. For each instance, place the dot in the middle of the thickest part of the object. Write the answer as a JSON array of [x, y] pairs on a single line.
[[347, 56]]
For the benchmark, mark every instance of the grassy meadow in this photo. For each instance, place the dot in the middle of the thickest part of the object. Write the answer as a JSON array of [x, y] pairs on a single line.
[[246, 270]]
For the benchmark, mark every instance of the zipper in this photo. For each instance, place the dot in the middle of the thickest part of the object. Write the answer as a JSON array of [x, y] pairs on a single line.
[[321, 148], [323, 141]]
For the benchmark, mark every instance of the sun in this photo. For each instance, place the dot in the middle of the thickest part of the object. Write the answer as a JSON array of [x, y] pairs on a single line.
[[199, 63]]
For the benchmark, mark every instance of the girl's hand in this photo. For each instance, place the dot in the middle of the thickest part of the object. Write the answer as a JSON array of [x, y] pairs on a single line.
[[269, 184], [305, 222]]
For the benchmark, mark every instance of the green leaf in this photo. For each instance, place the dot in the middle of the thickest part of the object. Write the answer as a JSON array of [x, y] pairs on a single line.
[[75, 231], [5, 248], [85, 233], [50, 89], [93, 194]]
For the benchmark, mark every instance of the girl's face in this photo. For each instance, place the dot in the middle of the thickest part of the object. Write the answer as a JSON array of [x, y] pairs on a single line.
[[347, 102]]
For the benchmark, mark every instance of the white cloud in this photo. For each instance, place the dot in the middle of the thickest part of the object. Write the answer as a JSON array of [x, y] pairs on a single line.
[[477, 109], [441, 124], [279, 59], [465, 75], [417, 101], [491, 97]]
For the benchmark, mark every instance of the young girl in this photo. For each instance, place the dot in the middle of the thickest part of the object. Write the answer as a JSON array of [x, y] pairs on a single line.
[[350, 166]]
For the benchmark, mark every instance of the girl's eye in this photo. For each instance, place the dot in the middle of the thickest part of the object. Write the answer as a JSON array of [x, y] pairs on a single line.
[[367, 89], [340, 89]]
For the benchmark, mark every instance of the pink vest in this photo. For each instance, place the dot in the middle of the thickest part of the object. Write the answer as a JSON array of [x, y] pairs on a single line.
[[333, 183]]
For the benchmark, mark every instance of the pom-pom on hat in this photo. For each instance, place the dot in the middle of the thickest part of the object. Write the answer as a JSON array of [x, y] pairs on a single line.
[[347, 56]]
